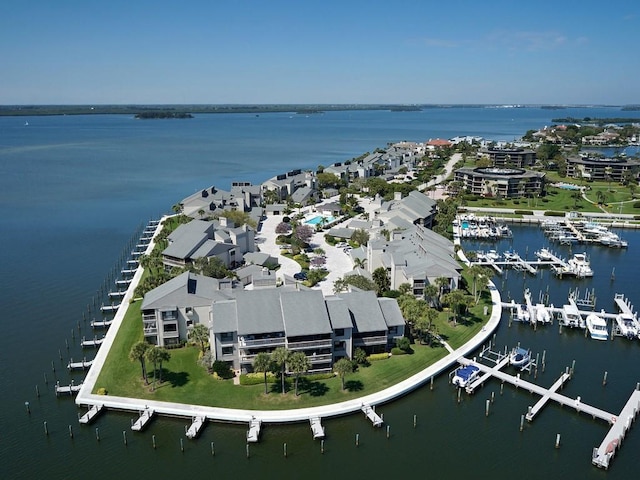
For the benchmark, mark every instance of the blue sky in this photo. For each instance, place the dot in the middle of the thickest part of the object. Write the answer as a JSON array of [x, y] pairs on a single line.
[[273, 51]]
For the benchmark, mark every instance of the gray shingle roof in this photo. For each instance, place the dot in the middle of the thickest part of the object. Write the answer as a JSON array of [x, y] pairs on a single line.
[[175, 292], [304, 313], [365, 311], [224, 316], [391, 312], [338, 312], [259, 311]]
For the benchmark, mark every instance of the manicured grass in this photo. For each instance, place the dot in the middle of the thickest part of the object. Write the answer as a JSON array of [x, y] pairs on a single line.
[[184, 381]]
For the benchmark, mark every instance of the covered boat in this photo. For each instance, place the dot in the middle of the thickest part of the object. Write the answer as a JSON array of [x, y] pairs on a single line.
[[519, 357], [465, 375]]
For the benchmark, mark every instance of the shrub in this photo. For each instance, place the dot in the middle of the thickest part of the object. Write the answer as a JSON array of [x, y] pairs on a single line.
[[636, 204], [523, 212], [374, 357], [257, 378], [551, 213], [101, 391], [397, 351], [222, 369]]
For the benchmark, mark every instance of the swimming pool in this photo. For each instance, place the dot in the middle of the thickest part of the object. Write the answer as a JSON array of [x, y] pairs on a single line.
[[317, 219]]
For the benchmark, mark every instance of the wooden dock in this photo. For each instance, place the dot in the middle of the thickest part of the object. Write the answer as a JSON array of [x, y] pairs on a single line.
[[254, 430], [143, 420], [196, 425], [316, 428], [91, 414], [603, 454], [371, 414]]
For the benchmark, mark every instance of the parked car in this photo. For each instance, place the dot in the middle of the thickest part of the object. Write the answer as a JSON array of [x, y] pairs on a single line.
[[300, 276], [342, 244]]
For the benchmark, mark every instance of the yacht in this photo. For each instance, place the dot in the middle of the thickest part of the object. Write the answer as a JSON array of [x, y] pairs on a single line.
[[579, 265], [544, 254], [519, 357], [628, 325], [597, 327], [571, 317]]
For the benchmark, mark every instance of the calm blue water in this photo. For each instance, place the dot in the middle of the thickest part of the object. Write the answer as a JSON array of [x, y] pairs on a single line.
[[74, 189]]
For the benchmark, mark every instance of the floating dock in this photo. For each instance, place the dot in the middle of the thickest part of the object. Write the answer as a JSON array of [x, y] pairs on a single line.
[[196, 425], [143, 420], [316, 428], [254, 430], [371, 414], [91, 414]]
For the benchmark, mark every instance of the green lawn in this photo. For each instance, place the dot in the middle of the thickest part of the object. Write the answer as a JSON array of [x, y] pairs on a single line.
[[184, 381]]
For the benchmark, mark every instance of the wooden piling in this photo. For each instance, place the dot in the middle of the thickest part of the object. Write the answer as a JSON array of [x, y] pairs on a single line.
[[604, 379], [46, 430], [558, 440]]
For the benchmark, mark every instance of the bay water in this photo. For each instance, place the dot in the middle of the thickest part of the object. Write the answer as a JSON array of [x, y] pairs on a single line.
[[73, 191]]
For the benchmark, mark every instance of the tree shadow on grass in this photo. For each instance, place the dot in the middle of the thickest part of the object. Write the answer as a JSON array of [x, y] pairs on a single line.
[[353, 385], [313, 388], [174, 379]]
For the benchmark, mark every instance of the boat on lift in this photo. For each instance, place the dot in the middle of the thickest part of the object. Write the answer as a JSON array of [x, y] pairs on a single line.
[[597, 327], [465, 375], [519, 357]]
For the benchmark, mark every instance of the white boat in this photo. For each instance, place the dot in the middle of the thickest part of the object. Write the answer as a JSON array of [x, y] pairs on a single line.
[[511, 256], [544, 254], [519, 357], [542, 314], [492, 256], [579, 265], [597, 327], [465, 375], [628, 325], [571, 317]]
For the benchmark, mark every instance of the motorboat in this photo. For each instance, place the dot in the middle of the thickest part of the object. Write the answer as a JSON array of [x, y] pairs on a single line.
[[492, 256], [510, 256], [580, 266], [542, 314], [628, 325], [544, 254], [597, 327], [570, 317], [519, 357], [465, 375]]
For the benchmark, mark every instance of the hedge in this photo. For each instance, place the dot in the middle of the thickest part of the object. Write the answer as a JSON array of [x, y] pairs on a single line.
[[523, 212], [377, 356], [551, 213]]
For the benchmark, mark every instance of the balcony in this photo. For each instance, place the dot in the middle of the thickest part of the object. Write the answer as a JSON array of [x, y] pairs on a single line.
[[171, 334], [320, 358], [150, 331], [325, 343], [261, 342], [367, 341]]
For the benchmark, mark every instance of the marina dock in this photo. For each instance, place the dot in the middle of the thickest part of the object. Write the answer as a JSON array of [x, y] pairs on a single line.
[[143, 420], [96, 342], [196, 425], [91, 414], [71, 389], [603, 454], [101, 323], [110, 308], [316, 428], [83, 365], [371, 414], [254, 430]]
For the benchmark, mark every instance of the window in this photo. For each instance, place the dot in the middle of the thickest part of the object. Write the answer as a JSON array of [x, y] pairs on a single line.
[[339, 332], [226, 337], [171, 327], [227, 350]]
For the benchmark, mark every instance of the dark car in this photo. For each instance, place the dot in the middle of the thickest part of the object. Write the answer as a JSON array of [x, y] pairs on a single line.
[[300, 276]]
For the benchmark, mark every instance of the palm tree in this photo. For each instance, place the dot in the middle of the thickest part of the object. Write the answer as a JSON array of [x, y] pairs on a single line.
[[455, 299], [477, 273], [404, 288], [431, 294], [137, 353], [342, 367], [442, 283], [163, 356], [177, 208], [153, 355], [201, 212], [359, 262], [263, 363], [200, 334], [298, 363], [280, 356]]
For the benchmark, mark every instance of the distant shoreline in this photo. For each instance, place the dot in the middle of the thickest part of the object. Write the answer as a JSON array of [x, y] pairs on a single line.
[[134, 109]]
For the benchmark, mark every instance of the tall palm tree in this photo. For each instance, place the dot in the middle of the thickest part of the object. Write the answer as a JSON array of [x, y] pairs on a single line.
[[137, 354], [200, 334], [153, 355], [163, 356], [431, 294], [478, 274], [280, 356], [263, 363], [342, 367], [298, 363]]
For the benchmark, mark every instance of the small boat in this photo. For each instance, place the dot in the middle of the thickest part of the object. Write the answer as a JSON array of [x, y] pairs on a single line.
[[597, 327], [571, 317], [519, 357], [492, 256], [511, 256], [542, 313], [544, 254], [465, 375]]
